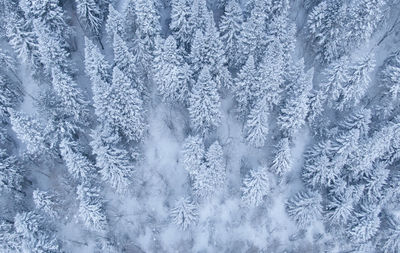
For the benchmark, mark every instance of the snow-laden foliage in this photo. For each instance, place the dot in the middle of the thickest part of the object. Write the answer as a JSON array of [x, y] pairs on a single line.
[[255, 187], [199, 126], [184, 214]]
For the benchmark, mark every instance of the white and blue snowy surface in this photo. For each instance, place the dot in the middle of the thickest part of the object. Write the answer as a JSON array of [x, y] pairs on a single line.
[[199, 126]]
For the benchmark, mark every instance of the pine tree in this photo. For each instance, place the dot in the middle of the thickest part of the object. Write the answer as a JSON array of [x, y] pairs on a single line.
[[71, 97], [46, 202], [391, 239], [391, 76], [10, 241], [325, 24], [271, 74], [171, 73], [148, 22], [10, 96], [124, 59], [207, 50], [204, 103], [98, 70], [91, 207], [246, 84], [319, 172], [376, 181], [295, 110], [340, 208], [126, 107], [77, 163], [210, 178], [184, 214], [89, 12], [129, 20], [359, 119], [216, 165], [51, 29], [48, 14], [11, 173], [253, 36], [364, 16], [282, 162], [390, 85], [114, 163], [115, 23], [193, 153], [304, 208], [366, 225], [359, 78], [29, 131], [255, 187], [230, 29], [35, 233], [23, 40], [199, 15], [181, 26], [256, 126]]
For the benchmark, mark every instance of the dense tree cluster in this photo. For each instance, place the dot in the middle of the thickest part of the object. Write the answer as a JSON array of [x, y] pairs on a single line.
[[199, 126]]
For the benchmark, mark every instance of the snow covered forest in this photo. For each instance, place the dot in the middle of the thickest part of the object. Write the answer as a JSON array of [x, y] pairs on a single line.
[[200, 126]]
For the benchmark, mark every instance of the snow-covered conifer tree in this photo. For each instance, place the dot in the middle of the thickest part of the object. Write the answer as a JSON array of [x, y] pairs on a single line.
[[126, 107], [46, 202], [10, 241], [91, 207], [216, 165], [171, 73], [184, 214], [148, 22], [255, 187], [11, 174], [181, 26], [246, 84], [304, 208], [89, 12], [29, 131], [295, 110], [72, 98], [77, 163], [340, 207], [204, 103], [256, 127], [23, 40], [282, 162], [366, 225], [115, 23], [98, 70], [210, 178], [391, 240], [271, 74], [253, 36], [114, 163], [193, 153], [230, 29], [35, 233], [359, 79]]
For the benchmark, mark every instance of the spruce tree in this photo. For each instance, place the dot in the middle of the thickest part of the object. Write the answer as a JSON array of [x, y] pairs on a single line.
[[304, 208], [256, 127], [184, 214], [255, 187], [126, 107], [282, 162], [204, 103], [230, 29], [91, 207]]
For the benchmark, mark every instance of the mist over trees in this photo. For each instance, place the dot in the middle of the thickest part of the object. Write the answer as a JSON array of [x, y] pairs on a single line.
[[199, 126]]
